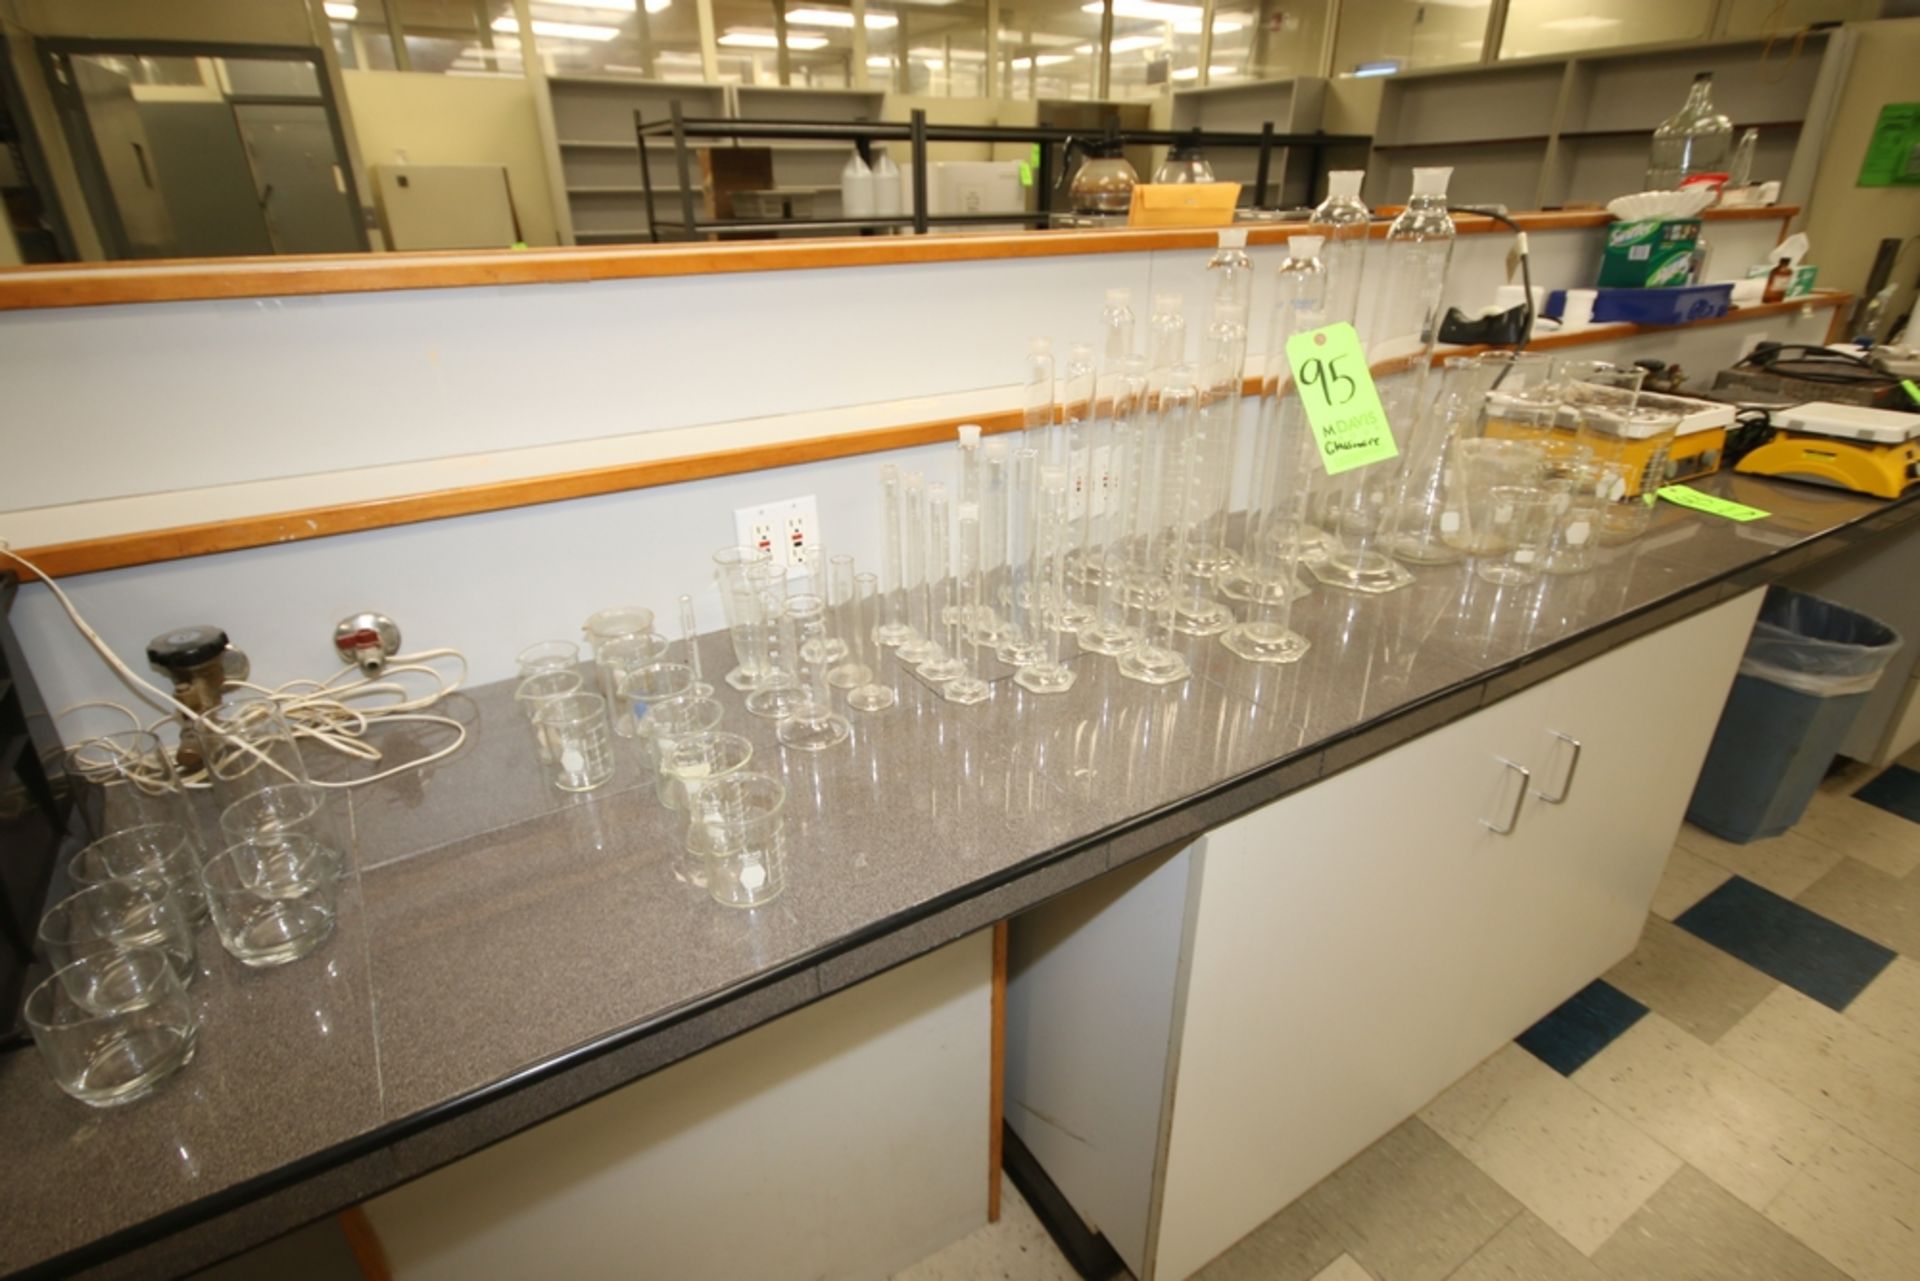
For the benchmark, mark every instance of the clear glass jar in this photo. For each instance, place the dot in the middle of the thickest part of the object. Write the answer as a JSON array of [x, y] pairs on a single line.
[[1696, 139]]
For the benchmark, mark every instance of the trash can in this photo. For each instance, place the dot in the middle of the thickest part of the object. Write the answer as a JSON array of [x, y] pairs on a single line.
[[1809, 667]]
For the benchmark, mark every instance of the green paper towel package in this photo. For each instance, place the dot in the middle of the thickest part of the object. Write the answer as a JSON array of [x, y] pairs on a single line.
[[1653, 251]]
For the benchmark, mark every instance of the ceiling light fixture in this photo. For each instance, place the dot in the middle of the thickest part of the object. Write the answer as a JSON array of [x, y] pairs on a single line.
[[343, 12], [558, 30], [736, 38], [1151, 10], [839, 18], [1587, 23]]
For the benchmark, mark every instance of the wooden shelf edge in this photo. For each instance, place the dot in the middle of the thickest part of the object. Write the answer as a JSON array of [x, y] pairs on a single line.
[[124, 551], [299, 275]]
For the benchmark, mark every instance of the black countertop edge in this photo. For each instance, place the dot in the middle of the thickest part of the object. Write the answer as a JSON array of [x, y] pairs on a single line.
[[1137, 837]]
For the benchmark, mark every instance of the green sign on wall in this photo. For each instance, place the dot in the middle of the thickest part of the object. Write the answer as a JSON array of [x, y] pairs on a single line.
[[1893, 153]]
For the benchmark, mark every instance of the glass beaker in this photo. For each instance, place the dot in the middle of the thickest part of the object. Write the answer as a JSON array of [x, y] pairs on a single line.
[[616, 661], [108, 1052], [536, 690], [582, 741], [1574, 542], [273, 901], [119, 916], [547, 656], [646, 689], [138, 783], [736, 828], [1521, 517], [164, 855], [689, 761], [248, 745], [1479, 467], [602, 628]]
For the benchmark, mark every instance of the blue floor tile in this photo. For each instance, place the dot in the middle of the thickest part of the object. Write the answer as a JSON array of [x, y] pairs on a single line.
[[1776, 936], [1896, 791], [1585, 1024]]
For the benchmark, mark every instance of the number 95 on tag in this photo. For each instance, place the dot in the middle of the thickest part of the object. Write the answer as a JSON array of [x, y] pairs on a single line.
[[1331, 377]]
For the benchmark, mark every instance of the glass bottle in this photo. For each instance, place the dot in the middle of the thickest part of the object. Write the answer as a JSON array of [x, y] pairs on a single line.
[[1741, 172], [1695, 139], [1231, 272], [1275, 533], [1343, 220]]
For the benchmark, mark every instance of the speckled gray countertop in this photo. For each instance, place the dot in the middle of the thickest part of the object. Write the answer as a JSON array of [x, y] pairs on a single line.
[[506, 951]]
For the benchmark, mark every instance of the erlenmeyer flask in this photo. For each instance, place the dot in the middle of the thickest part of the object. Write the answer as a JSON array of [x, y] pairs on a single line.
[[1420, 516]]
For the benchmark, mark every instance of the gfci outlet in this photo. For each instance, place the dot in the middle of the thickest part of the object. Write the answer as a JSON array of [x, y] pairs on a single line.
[[789, 529]]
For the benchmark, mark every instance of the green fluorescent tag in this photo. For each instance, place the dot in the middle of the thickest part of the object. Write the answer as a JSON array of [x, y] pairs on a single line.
[[1911, 388], [1688, 496], [1026, 174], [1334, 384], [1033, 155]]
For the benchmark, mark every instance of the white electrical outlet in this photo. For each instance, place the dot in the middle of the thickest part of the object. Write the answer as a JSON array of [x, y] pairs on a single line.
[[789, 529]]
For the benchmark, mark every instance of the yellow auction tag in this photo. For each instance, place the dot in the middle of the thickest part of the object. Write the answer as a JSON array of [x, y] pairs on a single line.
[[1689, 497], [1343, 407]]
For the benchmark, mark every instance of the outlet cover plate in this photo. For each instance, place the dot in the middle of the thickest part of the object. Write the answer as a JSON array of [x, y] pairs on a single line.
[[789, 528]]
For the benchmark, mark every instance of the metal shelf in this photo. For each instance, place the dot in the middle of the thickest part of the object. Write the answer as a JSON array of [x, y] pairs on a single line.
[[684, 131]]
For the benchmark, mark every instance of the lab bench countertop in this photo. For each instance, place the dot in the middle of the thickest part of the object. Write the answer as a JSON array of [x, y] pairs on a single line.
[[506, 951]]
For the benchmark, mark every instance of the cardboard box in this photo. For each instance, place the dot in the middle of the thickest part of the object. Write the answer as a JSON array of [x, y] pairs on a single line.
[[1183, 204], [1650, 253]]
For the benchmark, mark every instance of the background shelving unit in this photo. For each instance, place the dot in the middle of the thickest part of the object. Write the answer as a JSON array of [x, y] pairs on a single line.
[[1574, 129], [1290, 106], [599, 159]]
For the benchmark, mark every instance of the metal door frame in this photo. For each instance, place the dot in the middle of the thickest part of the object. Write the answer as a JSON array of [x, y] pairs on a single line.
[[54, 52]]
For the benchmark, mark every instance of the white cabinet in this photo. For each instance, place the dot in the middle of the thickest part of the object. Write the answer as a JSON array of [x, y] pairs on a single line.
[[1352, 950]]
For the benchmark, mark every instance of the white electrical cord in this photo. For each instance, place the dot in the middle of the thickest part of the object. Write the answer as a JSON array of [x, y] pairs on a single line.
[[319, 711]]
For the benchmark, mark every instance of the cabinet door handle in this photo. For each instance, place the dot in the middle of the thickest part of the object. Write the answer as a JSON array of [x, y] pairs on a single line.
[[1566, 780], [1519, 799]]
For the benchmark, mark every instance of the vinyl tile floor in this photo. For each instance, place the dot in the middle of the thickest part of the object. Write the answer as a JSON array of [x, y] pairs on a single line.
[[1739, 1100]]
